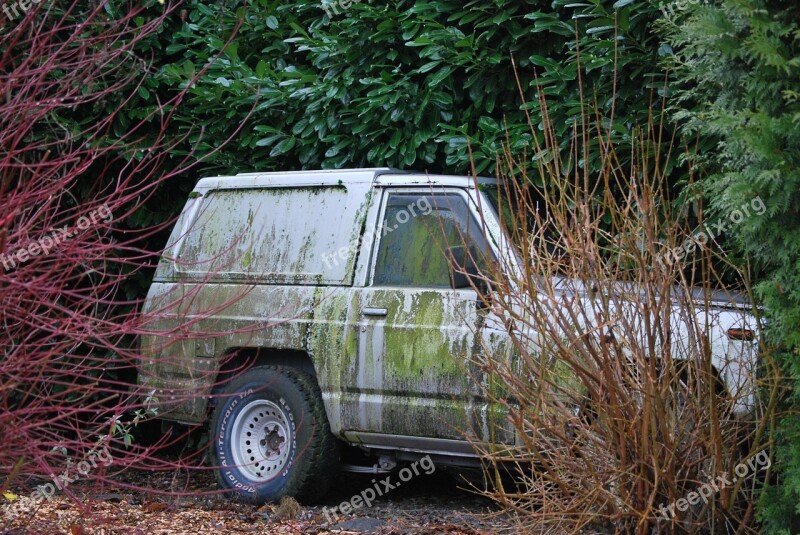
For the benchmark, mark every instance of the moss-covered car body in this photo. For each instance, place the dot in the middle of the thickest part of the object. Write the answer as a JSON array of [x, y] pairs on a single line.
[[341, 275]]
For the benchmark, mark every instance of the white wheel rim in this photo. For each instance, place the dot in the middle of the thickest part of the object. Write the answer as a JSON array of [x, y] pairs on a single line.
[[261, 440]]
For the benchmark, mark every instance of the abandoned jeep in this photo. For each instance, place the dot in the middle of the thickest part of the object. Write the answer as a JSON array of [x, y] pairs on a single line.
[[306, 311]]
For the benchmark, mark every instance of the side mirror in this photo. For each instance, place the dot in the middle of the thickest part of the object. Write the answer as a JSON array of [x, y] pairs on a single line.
[[464, 272]]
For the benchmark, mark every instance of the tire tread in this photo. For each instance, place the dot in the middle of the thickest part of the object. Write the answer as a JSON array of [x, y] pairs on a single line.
[[320, 458]]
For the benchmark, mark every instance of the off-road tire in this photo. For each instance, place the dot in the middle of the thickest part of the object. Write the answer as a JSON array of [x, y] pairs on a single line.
[[294, 454]]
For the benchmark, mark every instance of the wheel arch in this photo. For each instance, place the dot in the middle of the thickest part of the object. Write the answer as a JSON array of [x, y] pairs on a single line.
[[238, 360]]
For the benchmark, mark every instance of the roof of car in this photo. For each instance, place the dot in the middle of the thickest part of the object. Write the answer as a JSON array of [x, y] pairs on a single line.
[[382, 176]]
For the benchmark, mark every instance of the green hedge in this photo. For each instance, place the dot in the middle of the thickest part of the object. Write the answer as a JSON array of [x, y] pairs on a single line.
[[401, 84]]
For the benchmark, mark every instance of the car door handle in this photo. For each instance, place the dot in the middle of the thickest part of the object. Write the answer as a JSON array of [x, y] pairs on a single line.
[[369, 311]]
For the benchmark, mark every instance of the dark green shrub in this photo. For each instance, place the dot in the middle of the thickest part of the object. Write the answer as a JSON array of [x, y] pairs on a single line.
[[736, 67], [403, 84]]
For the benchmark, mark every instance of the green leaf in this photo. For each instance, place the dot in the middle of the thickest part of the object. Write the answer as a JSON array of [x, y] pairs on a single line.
[[543, 62], [440, 76], [267, 141], [395, 141], [283, 147], [429, 66]]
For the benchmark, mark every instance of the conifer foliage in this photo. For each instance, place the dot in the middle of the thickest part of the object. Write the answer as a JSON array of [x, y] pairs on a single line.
[[735, 67]]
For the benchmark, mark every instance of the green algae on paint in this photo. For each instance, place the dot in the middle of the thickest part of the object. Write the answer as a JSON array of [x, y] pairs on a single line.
[[305, 250], [331, 347], [412, 373], [423, 345], [417, 343], [357, 242]]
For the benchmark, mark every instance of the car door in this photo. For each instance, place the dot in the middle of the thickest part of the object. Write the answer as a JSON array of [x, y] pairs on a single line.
[[417, 335]]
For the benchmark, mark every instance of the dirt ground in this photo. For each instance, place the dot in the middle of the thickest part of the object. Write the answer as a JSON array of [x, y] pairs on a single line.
[[426, 504]]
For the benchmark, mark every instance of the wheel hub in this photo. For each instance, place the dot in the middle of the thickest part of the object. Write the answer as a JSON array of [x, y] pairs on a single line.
[[261, 440], [273, 439]]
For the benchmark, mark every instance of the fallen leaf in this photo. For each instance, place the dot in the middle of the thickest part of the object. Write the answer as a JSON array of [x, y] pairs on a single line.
[[153, 507]]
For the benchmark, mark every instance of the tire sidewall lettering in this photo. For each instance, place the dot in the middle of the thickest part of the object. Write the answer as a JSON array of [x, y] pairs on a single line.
[[233, 477]]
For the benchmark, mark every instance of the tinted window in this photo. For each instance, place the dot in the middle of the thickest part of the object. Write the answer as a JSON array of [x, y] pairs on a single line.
[[416, 231]]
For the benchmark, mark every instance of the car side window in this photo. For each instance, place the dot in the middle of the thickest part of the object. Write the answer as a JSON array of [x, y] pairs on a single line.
[[417, 229]]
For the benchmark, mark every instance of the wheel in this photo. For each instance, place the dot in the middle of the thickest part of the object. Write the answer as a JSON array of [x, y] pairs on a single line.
[[272, 438]]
